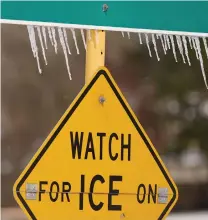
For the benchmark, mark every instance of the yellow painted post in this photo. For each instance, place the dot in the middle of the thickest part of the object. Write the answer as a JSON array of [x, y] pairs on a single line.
[[95, 52]]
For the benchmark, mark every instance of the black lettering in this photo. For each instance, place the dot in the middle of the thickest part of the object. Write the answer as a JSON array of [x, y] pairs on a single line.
[[126, 146], [139, 193], [113, 135], [101, 135], [66, 186], [40, 188], [76, 144], [113, 192], [52, 191], [152, 193], [92, 184], [81, 195], [90, 147]]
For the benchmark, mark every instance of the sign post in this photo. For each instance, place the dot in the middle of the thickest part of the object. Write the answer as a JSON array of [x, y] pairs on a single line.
[[95, 52]]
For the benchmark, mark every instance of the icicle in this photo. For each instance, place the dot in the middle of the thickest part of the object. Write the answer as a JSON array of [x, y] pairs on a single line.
[[50, 35], [36, 50], [75, 40], [128, 35], [168, 41], [122, 33], [157, 36], [201, 60], [140, 38], [162, 42], [44, 36], [54, 38], [173, 47], [61, 37], [29, 29], [180, 47], [165, 42], [83, 38], [66, 41], [194, 46], [97, 37], [186, 49], [41, 43], [31, 32], [147, 42], [205, 46], [190, 42], [155, 47]]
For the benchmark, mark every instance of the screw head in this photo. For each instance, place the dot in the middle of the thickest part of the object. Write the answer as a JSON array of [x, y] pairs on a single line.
[[105, 7], [102, 99]]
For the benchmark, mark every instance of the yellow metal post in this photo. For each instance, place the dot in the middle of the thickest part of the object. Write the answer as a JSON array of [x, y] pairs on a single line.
[[95, 52]]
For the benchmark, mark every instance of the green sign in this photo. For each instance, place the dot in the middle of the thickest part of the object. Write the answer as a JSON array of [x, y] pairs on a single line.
[[186, 16]]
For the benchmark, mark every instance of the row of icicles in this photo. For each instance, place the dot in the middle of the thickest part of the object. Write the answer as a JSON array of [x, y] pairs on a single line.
[[167, 42]]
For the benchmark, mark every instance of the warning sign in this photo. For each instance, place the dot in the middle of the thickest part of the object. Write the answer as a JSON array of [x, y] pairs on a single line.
[[97, 163]]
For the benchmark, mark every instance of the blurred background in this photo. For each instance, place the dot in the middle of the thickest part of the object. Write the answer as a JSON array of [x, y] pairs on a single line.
[[169, 99]]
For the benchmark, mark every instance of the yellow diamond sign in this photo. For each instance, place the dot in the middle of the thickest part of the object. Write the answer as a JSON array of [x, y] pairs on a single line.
[[96, 164]]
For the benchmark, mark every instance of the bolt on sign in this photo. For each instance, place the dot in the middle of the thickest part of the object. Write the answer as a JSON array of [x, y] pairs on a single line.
[[97, 163]]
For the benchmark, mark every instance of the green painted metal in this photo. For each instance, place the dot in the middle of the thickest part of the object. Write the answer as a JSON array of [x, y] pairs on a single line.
[[186, 16]]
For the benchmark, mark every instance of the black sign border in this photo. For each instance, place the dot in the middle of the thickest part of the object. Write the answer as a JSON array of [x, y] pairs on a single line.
[[101, 72]]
